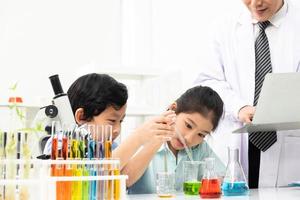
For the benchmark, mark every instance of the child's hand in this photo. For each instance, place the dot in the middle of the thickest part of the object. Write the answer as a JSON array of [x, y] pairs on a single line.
[[159, 128]]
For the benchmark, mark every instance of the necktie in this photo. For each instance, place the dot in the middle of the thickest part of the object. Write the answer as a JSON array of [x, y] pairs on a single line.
[[262, 140]]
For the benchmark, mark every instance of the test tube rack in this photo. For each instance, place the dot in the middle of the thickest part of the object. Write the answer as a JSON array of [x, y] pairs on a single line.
[[39, 182]]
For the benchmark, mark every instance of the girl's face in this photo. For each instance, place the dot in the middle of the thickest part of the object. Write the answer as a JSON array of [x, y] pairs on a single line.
[[193, 127], [111, 116]]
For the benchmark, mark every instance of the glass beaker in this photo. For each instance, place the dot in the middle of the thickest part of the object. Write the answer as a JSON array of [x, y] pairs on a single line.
[[192, 181], [235, 183], [210, 182], [165, 184]]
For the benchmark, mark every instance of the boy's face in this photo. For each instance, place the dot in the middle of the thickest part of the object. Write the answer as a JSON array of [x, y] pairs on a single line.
[[113, 117], [193, 127]]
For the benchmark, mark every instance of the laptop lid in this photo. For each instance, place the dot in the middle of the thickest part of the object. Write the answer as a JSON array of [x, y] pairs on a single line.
[[278, 106]]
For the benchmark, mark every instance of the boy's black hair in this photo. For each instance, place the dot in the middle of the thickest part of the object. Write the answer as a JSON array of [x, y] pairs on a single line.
[[96, 92], [203, 100]]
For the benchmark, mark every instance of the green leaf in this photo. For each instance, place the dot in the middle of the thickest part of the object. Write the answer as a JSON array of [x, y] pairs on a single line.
[[14, 87], [20, 114]]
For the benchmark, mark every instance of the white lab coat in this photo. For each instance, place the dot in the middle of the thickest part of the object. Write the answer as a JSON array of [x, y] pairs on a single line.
[[230, 70]]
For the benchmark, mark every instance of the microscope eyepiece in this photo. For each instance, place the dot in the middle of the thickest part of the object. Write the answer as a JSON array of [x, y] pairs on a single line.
[[51, 111], [55, 82]]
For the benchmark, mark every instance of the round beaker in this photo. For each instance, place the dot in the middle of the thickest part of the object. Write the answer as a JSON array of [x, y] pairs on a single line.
[[165, 184], [192, 177]]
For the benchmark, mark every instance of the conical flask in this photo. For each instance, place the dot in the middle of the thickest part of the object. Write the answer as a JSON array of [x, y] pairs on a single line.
[[210, 182], [234, 183]]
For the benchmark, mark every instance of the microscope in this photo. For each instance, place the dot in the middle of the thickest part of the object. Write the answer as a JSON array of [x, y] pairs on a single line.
[[59, 111]]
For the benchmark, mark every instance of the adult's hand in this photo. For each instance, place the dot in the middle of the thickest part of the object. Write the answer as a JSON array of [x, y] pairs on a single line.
[[246, 114]]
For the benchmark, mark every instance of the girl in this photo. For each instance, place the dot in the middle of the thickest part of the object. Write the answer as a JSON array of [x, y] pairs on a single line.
[[198, 112]]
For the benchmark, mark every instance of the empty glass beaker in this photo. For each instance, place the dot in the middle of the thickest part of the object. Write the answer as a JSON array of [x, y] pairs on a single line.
[[192, 177], [210, 182], [165, 184], [235, 183]]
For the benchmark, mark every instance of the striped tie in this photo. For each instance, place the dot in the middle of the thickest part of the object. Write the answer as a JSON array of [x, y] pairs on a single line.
[[262, 140]]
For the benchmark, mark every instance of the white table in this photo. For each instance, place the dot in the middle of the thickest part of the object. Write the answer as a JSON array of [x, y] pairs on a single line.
[[259, 194]]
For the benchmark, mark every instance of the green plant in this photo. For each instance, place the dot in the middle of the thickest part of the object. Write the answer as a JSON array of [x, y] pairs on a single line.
[[15, 108]]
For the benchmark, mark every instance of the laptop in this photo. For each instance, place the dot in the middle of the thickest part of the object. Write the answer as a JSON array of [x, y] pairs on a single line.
[[278, 106]]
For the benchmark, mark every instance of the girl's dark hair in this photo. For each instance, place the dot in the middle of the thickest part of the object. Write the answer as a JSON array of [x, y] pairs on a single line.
[[203, 100], [95, 92]]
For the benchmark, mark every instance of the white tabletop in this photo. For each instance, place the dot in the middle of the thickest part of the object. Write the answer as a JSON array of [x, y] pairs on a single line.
[[259, 194]]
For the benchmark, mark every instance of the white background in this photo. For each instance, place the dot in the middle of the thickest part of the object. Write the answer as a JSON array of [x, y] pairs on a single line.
[[69, 38], [165, 38]]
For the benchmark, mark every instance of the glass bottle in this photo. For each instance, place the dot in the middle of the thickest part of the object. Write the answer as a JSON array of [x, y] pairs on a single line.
[[235, 183], [210, 183]]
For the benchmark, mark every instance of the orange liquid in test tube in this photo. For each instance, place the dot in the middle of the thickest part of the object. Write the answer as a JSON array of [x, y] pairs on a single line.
[[53, 155], [107, 149], [65, 148], [67, 185], [59, 171]]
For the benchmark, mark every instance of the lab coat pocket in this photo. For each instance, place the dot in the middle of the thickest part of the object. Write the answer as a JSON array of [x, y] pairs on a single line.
[[289, 163]]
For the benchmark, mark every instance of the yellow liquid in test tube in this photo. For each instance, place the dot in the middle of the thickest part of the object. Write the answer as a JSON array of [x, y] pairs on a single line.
[[117, 185], [74, 153], [77, 185], [166, 196], [85, 184]]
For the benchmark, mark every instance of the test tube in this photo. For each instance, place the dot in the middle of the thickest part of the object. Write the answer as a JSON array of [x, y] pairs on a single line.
[[74, 154], [101, 184], [78, 184], [85, 184], [2, 165], [116, 182], [107, 133], [11, 150], [111, 187], [81, 147], [74, 151], [91, 148], [67, 185], [93, 183], [59, 171], [54, 146], [92, 156], [25, 170], [18, 152], [99, 148], [65, 144]]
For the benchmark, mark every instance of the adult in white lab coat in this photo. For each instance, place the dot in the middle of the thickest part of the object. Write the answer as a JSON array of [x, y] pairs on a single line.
[[230, 70]]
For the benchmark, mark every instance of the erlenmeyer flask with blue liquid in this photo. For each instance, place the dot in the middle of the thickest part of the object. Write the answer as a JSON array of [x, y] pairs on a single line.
[[235, 183]]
